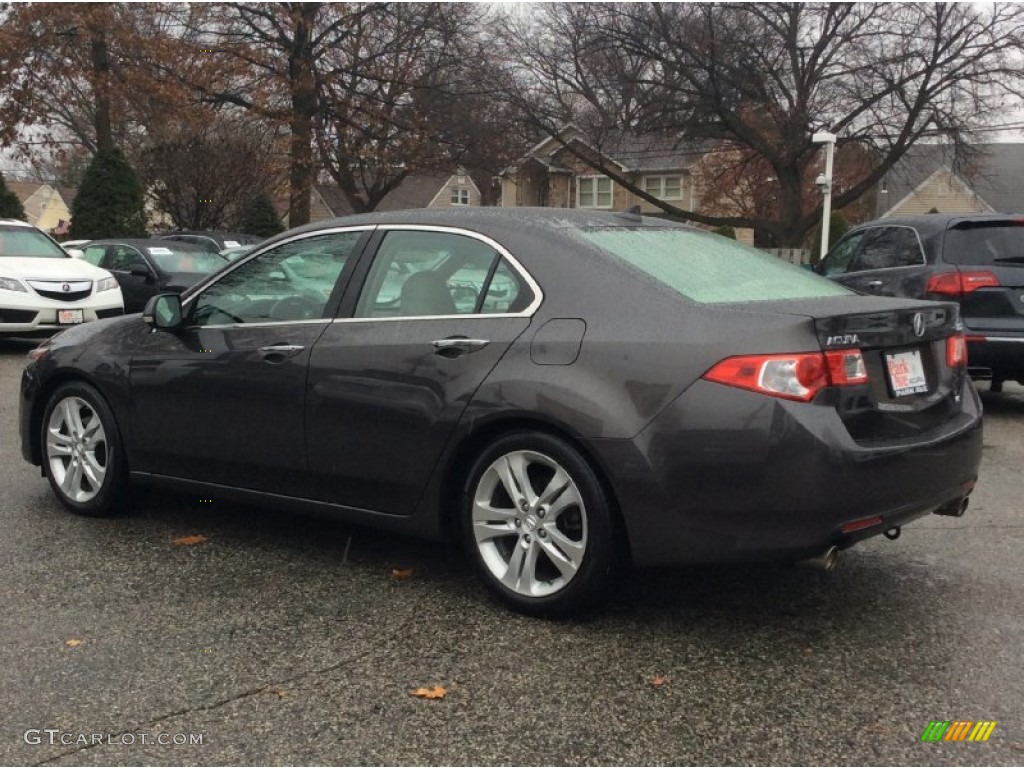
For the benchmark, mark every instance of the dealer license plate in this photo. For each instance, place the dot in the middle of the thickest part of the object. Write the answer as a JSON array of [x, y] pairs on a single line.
[[69, 316], [906, 373]]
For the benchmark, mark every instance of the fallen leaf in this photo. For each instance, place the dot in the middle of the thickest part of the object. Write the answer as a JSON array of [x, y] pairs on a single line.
[[659, 680], [437, 692], [281, 694], [188, 541], [72, 643], [401, 573]]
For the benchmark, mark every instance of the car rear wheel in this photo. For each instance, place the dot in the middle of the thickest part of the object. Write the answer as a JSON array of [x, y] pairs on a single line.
[[539, 525], [82, 454]]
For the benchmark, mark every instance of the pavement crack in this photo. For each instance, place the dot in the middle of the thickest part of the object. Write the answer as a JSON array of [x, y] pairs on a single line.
[[220, 702]]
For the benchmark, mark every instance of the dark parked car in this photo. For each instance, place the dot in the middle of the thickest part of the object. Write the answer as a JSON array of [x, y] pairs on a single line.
[[144, 268], [616, 386], [975, 260], [215, 242]]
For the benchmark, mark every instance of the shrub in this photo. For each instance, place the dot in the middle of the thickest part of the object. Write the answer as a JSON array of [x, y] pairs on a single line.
[[10, 205], [259, 218], [109, 202]]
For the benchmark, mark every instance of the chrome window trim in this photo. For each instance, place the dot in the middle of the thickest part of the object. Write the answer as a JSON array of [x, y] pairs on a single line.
[[529, 311]]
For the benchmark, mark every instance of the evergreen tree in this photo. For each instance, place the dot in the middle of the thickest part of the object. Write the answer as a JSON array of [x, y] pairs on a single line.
[[259, 218], [109, 202], [10, 205], [726, 231]]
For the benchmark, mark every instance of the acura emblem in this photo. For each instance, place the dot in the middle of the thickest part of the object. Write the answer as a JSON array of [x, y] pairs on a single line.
[[919, 324], [67, 288]]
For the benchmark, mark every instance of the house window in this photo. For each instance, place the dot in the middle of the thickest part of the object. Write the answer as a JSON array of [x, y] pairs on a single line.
[[664, 187], [460, 196], [593, 192]]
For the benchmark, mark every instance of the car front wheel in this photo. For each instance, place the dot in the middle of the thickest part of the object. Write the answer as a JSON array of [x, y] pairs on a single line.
[[82, 454], [539, 525]]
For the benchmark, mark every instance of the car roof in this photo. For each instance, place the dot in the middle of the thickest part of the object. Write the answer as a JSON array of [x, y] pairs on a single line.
[[931, 222], [494, 221], [146, 242], [16, 223], [209, 233]]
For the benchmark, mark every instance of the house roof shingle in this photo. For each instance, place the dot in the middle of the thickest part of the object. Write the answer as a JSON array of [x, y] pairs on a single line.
[[994, 171]]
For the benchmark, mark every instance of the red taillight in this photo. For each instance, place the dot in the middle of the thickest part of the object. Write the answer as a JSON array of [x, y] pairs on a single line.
[[958, 283], [846, 366], [956, 351], [797, 376]]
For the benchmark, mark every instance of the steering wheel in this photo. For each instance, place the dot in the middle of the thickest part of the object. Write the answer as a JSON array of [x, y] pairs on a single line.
[[296, 308]]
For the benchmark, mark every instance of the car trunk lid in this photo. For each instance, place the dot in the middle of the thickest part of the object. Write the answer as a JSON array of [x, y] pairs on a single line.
[[910, 388]]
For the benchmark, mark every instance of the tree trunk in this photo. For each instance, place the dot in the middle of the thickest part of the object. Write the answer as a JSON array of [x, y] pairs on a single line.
[[101, 70], [304, 107]]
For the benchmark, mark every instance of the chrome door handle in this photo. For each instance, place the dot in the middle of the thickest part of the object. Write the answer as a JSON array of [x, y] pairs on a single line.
[[875, 284], [456, 346], [277, 353]]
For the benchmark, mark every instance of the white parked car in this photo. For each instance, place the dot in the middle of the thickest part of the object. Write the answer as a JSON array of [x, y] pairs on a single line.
[[43, 289]]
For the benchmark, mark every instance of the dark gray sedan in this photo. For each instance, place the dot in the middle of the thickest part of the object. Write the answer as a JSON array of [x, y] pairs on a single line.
[[561, 390]]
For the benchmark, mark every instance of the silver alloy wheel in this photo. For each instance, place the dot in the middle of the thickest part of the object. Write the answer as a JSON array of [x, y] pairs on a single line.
[[76, 449], [529, 523]]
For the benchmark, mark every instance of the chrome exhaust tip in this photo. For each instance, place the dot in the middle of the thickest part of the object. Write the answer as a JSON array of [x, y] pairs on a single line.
[[826, 561], [954, 508]]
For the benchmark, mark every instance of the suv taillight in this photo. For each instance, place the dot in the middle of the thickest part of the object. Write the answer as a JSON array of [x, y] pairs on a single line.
[[798, 376], [959, 283]]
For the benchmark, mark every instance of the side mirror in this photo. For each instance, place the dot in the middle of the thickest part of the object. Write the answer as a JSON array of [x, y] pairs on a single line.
[[163, 311], [138, 269], [77, 253]]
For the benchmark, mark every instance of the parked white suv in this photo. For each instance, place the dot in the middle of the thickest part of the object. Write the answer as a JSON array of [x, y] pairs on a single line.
[[43, 289]]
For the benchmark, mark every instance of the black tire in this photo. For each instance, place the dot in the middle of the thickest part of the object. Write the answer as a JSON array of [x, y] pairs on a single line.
[[593, 522], [996, 386], [111, 496]]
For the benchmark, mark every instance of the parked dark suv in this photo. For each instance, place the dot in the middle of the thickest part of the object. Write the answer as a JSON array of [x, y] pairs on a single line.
[[975, 260]]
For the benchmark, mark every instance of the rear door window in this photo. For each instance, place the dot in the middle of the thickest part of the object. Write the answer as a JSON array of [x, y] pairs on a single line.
[[437, 274], [882, 249]]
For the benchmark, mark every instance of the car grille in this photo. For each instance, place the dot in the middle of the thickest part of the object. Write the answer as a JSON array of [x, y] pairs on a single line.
[[62, 290], [115, 312], [17, 315]]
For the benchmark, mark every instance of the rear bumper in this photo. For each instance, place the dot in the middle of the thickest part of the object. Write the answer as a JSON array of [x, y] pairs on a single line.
[[727, 475], [996, 355]]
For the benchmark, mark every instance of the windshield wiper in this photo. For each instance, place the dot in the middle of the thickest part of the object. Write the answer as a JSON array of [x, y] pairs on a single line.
[[1009, 260]]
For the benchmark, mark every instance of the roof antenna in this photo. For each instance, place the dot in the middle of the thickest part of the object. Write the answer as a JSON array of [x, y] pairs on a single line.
[[631, 214]]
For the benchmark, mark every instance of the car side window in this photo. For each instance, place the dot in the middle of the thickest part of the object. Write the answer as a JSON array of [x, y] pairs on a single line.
[[837, 262], [431, 274], [881, 249], [94, 254], [290, 282], [122, 257], [909, 253]]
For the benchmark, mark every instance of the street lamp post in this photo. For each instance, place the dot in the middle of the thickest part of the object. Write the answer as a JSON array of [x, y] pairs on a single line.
[[824, 182]]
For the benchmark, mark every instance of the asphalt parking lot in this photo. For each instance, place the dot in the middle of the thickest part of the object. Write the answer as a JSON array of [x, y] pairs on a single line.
[[284, 640]]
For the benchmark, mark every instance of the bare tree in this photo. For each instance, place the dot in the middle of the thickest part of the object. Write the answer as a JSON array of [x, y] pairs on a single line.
[[203, 176], [760, 79]]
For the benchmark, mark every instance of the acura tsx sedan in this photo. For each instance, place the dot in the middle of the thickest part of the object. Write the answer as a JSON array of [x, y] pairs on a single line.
[[561, 390]]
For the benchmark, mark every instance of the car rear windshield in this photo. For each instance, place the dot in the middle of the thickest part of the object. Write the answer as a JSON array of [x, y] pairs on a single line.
[[985, 243], [25, 241], [176, 259], [711, 269]]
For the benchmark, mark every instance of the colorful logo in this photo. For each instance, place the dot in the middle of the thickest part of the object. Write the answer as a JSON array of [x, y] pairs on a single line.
[[958, 730]]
